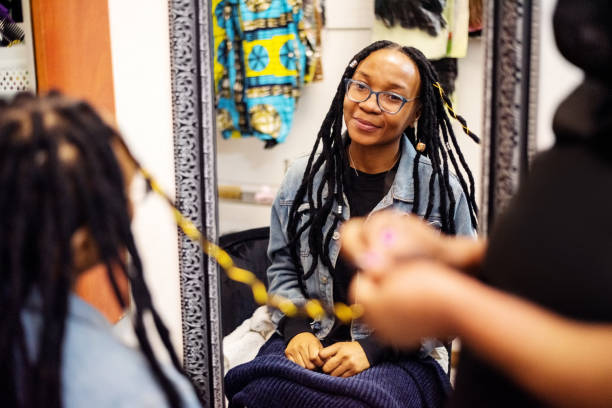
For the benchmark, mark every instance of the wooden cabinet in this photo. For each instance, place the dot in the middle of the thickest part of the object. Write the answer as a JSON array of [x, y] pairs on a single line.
[[73, 51]]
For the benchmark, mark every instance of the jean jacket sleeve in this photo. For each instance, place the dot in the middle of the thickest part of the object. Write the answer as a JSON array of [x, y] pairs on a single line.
[[283, 272], [463, 221]]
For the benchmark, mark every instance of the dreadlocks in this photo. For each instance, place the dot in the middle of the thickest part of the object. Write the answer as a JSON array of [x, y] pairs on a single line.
[[434, 129], [58, 173]]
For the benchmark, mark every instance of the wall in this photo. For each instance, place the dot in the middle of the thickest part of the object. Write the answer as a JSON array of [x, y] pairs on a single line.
[[141, 69], [245, 162]]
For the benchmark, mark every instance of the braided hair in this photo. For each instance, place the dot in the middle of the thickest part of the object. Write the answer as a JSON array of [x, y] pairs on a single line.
[[434, 129], [58, 173]]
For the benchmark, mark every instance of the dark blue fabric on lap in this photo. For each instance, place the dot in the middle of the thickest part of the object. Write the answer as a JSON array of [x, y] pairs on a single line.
[[271, 381]]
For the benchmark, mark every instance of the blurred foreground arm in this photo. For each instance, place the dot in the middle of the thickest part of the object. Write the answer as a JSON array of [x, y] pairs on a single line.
[[564, 362]]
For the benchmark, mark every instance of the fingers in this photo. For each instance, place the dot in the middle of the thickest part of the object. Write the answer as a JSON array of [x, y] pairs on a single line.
[[353, 240], [300, 361], [327, 352], [348, 373], [332, 364], [303, 349], [389, 237], [342, 369], [361, 290], [314, 355]]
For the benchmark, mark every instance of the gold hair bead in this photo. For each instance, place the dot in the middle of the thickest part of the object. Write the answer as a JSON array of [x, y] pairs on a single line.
[[420, 147]]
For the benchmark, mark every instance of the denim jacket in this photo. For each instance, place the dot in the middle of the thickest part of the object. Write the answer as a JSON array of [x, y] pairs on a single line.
[[282, 272]]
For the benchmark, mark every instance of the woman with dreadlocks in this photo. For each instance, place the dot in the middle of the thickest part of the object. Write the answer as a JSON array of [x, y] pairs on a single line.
[[64, 174], [397, 153]]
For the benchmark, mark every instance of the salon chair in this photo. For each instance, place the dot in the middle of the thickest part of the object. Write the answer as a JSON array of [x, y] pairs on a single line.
[[248, 250]]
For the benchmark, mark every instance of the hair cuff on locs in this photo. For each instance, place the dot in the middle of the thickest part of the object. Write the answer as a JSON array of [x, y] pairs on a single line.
[[353, 64]]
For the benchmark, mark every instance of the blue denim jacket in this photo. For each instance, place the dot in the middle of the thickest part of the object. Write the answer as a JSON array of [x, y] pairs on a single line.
[[282, 276], [97, 369]]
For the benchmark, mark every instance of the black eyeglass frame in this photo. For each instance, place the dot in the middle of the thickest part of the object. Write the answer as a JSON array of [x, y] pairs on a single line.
[[349, 81]]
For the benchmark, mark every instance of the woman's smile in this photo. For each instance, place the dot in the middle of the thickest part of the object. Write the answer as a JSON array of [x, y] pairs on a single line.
[[365, 125]]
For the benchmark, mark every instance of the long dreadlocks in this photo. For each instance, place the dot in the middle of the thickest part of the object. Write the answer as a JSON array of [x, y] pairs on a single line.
[[434, 129], [59, 173]]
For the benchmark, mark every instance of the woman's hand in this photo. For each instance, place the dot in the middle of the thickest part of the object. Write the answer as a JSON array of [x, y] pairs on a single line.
[[409, 302], [303, 349], [344, 359], [388, 238]]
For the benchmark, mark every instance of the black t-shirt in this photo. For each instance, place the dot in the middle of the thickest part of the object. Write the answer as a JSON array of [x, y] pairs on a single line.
[[553, 246], [363, 192]]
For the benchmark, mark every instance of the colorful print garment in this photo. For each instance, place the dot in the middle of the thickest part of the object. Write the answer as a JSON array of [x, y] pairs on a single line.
[[260, 66]]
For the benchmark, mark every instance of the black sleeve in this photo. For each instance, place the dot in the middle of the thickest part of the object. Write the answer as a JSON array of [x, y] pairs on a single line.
[[292, 326], [374, 351]]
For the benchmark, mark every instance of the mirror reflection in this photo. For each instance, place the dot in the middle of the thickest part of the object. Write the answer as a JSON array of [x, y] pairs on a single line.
[[328, 111]]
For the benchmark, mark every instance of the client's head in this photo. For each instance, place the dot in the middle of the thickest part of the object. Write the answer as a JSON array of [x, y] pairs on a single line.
[[63, 178]]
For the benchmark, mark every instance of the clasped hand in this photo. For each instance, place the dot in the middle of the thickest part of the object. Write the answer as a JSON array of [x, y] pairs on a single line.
[[342, 359]]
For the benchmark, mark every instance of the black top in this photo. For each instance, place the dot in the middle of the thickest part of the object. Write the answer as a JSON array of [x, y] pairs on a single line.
[[551, 246], [363, 192]]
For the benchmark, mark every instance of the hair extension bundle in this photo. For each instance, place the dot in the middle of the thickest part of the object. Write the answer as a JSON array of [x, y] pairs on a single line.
[[425, 15]]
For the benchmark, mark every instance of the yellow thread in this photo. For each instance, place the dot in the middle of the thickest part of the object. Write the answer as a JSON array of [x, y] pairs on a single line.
[[343, 312], [260, 294], [312, 308], [449, 108], [241, 275]]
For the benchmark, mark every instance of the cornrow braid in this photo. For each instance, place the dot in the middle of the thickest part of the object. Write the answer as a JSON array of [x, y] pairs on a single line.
[[328, 160], [58, 172]]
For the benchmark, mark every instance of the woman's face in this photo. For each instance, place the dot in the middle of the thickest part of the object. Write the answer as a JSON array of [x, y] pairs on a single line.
[[383, 70]]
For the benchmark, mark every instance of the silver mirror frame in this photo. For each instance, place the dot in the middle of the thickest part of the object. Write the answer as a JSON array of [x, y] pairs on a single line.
[[510, 113], [196, 192], [512, 36]]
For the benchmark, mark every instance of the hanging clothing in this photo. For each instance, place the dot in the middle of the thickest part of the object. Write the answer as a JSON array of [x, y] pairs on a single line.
[[260, 66], [439, 28], [313, 24]]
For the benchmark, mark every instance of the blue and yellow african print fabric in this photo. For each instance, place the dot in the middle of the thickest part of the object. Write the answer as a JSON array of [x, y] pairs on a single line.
[[260, 66]]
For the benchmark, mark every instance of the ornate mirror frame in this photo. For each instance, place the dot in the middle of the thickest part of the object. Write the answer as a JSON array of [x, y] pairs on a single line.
[[193, 104], [508, 144], [510, 108]]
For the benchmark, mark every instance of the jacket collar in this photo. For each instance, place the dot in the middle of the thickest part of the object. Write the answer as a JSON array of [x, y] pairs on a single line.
[[403, 185]]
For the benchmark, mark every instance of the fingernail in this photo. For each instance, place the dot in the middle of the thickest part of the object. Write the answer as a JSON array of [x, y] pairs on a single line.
[[388, 237]]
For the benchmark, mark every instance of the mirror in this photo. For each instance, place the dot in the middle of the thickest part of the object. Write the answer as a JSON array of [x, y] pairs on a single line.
[[248, 175]]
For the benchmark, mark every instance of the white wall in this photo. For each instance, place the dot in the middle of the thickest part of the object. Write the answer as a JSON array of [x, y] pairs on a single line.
[[244, 161], [141, 69], [557, 77]]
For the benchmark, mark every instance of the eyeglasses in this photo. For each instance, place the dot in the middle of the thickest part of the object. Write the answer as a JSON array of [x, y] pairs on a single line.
[[388, 102]]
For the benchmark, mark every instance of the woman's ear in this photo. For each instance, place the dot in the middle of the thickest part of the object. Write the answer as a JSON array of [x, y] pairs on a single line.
[[417, 115], [85, 252]]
